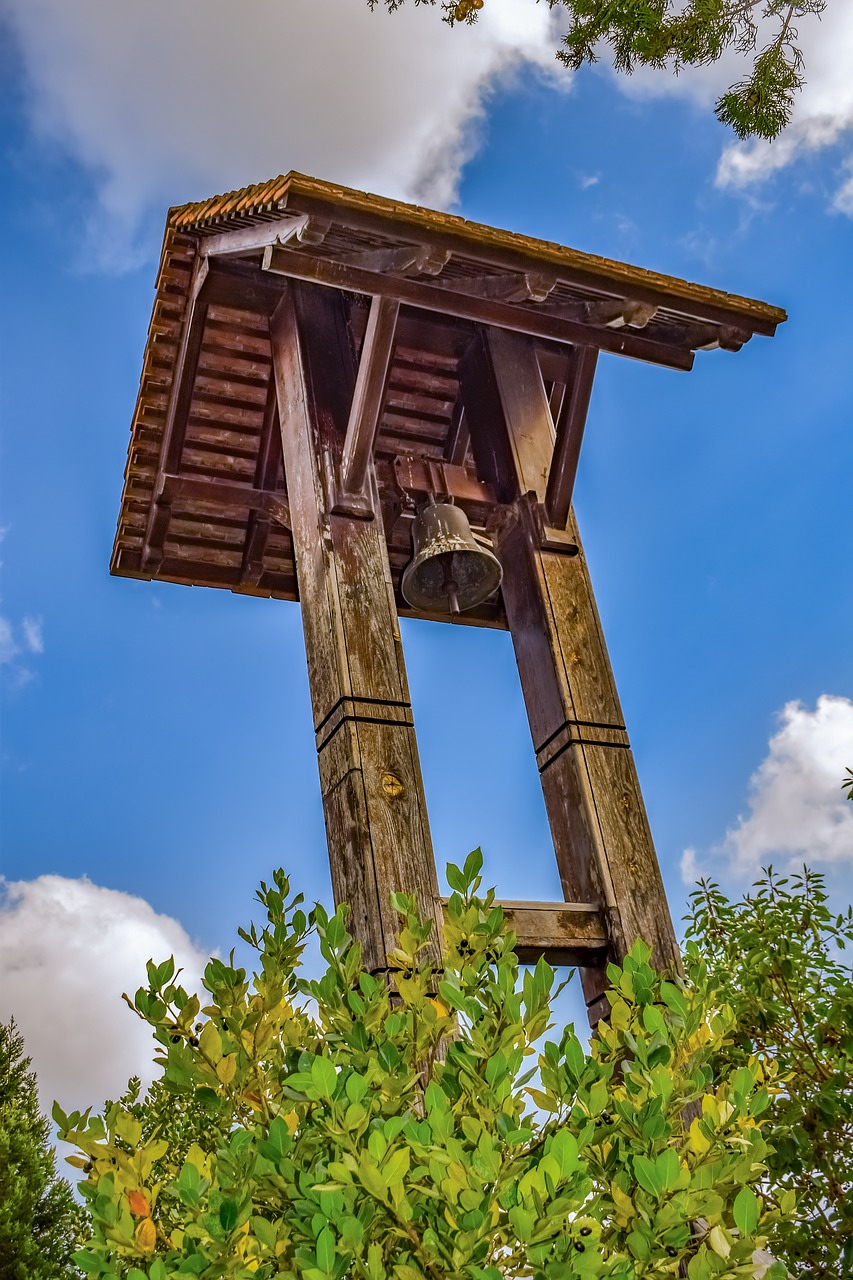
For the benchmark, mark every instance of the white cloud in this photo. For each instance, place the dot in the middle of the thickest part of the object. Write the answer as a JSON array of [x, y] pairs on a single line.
[[15, 674], [8, 647], [689, 867], [166, 102], [68, 949], [33, 637], [823, 113], [797, 809]]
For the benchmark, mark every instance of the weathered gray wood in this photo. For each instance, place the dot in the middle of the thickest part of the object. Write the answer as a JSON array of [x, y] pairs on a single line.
[[598, 822], [370, 775]]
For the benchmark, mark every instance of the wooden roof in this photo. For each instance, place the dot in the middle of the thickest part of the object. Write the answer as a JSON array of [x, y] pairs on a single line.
[[205, 499]]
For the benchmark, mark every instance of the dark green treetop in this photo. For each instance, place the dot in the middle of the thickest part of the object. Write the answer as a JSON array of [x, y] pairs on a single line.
[[676, 34], [38, 1217]]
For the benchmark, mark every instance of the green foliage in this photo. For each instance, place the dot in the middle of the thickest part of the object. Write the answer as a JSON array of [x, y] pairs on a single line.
[[775, 958], [38, 1217], [676, 34], [425, 1130]]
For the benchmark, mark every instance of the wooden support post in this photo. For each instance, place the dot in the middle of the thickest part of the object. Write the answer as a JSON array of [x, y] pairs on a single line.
[[370, 774], [598, 822]]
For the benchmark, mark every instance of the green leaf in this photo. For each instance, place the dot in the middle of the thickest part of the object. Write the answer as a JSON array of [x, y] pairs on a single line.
[[455, 878], [89, 1262], [473, 866], [210, 1043], [747, 1211], [324, 1077], [326, 1250], [667, 1169], [229, 1212], [647, 1176], [265, 1232], [564, 1147]]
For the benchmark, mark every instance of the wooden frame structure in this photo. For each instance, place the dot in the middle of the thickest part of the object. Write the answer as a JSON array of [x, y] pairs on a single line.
[[321, 361]]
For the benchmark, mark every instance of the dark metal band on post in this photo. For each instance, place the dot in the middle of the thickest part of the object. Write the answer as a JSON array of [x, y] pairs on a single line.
[[338, 715], [603, 735]]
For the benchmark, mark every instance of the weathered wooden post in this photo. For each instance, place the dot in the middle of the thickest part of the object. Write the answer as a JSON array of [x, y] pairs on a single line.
[[320, 364]]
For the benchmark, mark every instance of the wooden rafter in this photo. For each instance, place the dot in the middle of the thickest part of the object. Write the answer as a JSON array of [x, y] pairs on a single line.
[[570, 422], [489, 311], [376, 352]]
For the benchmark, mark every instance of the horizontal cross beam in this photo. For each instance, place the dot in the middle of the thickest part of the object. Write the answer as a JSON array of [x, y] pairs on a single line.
[[489, 311], [564, 933], [222, 495]]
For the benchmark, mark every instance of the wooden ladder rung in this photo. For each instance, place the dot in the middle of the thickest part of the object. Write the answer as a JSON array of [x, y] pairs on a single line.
[[565, 933]]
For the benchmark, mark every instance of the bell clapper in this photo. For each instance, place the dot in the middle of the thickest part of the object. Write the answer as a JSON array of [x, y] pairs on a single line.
[[450, 586]]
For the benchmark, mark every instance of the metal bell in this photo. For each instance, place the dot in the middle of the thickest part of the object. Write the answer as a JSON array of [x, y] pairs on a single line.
[[450, 571]]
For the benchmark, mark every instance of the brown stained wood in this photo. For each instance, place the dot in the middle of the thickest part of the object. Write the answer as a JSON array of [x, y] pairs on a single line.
[[220, 495], [369, 769], [563, 933], [363, 422], [592, 795], [362, 220], [570, 422], [217, 389], [251, 239], [181, 388], [222, 438], [433, 297], [442, 479]]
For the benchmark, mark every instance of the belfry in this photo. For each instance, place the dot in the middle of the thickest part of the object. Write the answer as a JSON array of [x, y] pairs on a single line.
[[327, 372]]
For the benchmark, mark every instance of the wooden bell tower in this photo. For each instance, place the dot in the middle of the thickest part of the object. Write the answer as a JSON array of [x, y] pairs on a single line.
[[321, 362]]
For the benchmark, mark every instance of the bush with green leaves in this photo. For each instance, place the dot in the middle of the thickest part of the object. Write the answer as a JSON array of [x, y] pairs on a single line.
[[775, 958], [426, 1127]]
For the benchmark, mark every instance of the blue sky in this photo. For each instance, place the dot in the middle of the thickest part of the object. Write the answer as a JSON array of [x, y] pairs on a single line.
[[157, 754]]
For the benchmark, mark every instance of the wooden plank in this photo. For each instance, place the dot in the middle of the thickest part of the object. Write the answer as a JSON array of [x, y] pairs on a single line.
[[222, 495], [441, 479], [563, 933], [570, 423], [602, 841], [363, 423], [251, 239], [454, 302], [176, 413], [370, 774]]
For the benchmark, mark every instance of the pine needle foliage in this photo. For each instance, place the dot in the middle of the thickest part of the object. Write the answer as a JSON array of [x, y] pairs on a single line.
[[678, 34], [38, 1217]]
